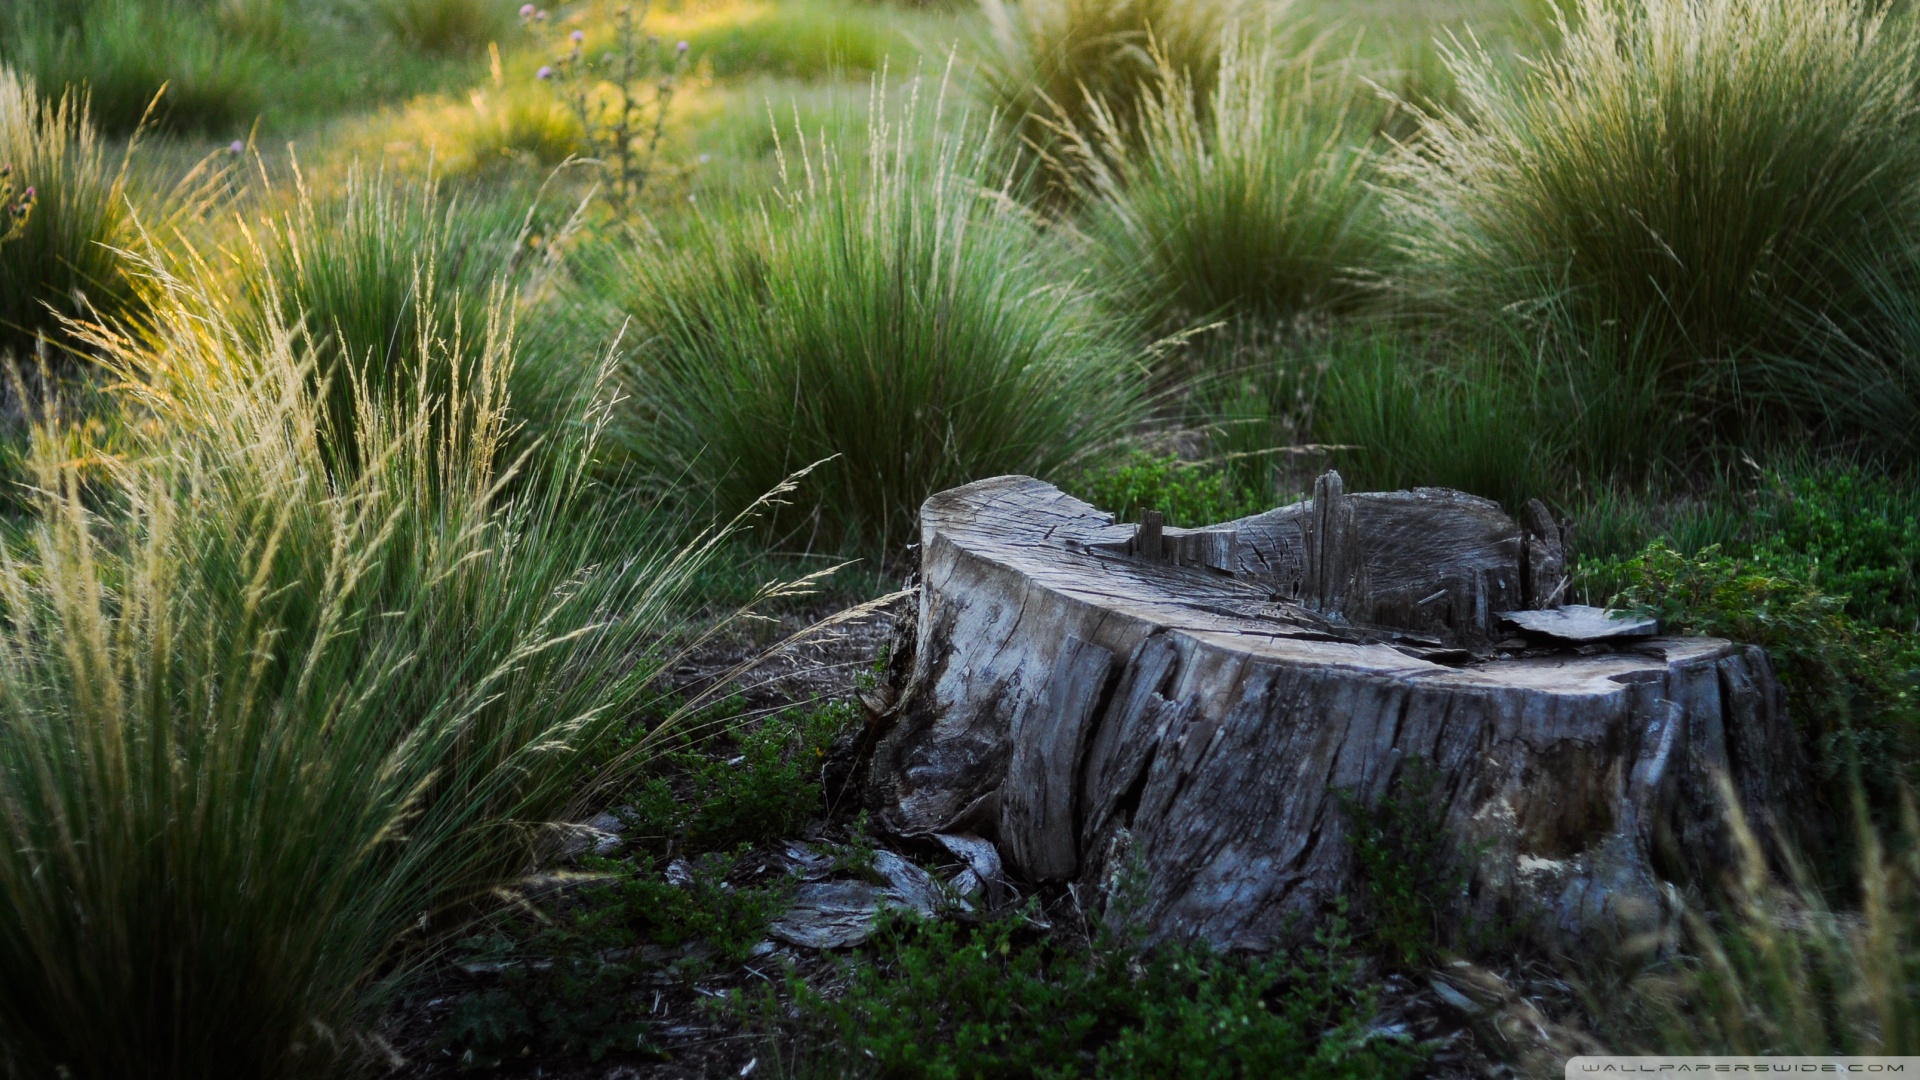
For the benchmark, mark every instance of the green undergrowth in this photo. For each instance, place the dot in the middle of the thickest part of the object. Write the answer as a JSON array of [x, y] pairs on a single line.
[[1822, 569], [1189, 493], [226, 64], [1408, 870], [1005, 999], [560, 974], [562, 979], [764, 786]]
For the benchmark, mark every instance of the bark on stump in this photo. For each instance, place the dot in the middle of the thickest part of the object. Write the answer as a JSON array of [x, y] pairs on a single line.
[[1193, 703]]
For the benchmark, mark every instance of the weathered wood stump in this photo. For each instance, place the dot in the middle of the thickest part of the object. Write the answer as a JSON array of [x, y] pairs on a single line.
[[1193, 703]]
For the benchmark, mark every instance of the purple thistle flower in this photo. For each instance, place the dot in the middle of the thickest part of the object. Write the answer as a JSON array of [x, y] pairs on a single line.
[[526, 11], [236, 147], [578, 36], [545, 72], [682, 48], [540, 16]]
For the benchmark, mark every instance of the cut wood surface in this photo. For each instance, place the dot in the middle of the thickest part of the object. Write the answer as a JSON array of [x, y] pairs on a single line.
[[1194, 707]]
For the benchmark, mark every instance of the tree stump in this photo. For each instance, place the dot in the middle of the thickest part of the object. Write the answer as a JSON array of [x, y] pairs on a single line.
[[1195, 707]]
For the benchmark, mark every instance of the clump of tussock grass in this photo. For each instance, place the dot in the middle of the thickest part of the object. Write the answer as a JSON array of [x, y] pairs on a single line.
[[65, 261], [1044, 63], [266, 732], [364, 270], [1854, 373], [1688, 171], [445, 26], [1250, 199], [909, 321]]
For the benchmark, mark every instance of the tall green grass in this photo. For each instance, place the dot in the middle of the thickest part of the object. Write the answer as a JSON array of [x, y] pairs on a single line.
[[903, 317], [64, 262], [266, 732], [1689, 171], [1854, 373], [1249, 197], [123, 51], [390, 276], [1044, 63], [1512, 412]]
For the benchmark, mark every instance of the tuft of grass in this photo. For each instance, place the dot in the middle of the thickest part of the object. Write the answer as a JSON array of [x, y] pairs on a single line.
[[806, 40], [1854, 373], [446, 26], [64, 260], [1688, 173], [1510, 412], [1779, 970], [387, 279], [1250, 197], [908, 322], [225, 63], [265, 733], [1044, 64]]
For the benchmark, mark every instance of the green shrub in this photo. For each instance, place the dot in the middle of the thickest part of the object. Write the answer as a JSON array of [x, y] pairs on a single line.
[[1408, 873], [1249, 197], [907, 321], [945, 1000], [1852, 688], [766, 785], [265, 733], [1190, 494], [63, 260], [567, 981], [1693, 172], [1045, 62]]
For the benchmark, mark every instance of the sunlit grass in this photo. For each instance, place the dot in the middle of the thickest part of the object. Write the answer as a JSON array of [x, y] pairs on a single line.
[[266, 728]]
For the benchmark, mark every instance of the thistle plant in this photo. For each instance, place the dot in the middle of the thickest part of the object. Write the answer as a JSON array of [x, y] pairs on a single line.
[[621, 100], [13, 212]]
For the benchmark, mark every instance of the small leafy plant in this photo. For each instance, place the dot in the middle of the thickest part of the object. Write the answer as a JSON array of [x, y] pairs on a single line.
[[1189, 493], [763, 786], [622, 100]]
